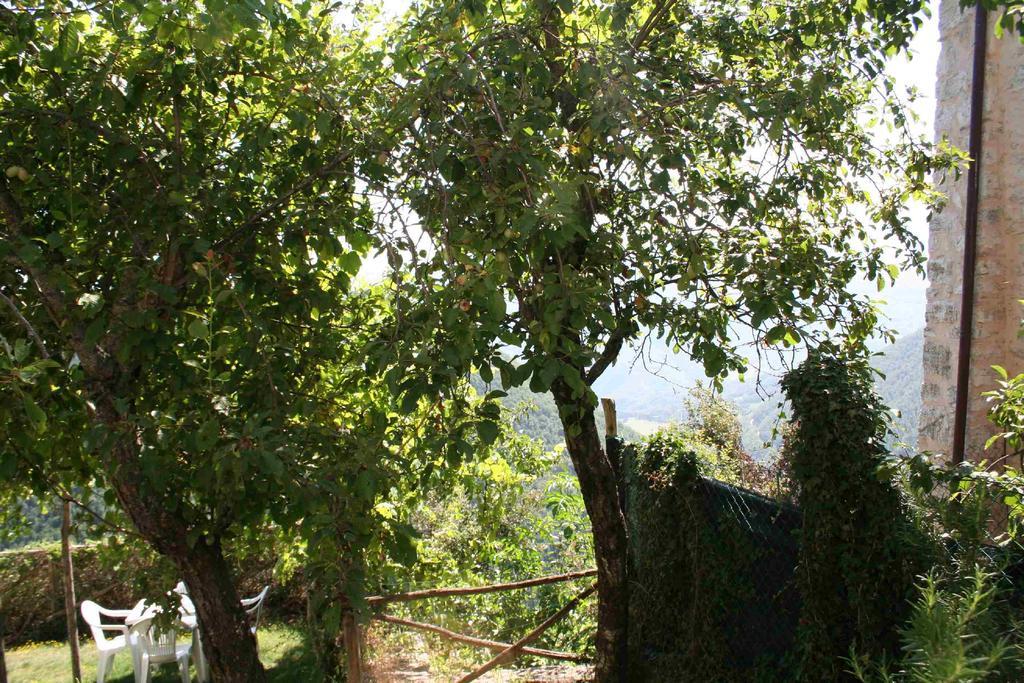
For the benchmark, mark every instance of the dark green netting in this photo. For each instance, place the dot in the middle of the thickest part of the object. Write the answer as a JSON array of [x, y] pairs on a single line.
[[712, 592]]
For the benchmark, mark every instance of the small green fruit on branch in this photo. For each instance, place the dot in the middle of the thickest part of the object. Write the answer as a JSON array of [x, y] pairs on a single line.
[[19, 172]]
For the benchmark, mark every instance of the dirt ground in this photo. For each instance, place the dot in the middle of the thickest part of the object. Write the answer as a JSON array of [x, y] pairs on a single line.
[[543, 674], [413, 666]]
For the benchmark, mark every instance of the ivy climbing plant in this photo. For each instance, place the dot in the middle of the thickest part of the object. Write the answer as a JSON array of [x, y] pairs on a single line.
[[860, 552]]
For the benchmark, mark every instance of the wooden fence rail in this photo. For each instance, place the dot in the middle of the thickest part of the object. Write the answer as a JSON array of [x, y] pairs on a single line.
[[477, 590], [518, 646], [506, 651], [353, 637], [480, 642]]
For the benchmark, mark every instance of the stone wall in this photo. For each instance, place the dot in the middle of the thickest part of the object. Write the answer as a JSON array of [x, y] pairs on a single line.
[[1000, 266]]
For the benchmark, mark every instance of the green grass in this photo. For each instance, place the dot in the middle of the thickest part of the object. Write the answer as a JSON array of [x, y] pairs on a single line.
[[282, 650]]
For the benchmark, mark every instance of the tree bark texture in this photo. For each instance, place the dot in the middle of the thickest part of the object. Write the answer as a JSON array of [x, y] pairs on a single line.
[[3, 660], [599, 486], [228, 642]]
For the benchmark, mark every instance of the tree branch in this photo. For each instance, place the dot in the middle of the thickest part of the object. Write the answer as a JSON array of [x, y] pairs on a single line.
[[281, 200], [645, 31], [608, 355], [26, 324], [57, 305]]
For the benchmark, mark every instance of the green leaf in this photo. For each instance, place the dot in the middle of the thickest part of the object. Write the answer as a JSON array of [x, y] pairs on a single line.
[[332, 619], [365, 486], [488, 431], [198, 329], [35, 414]]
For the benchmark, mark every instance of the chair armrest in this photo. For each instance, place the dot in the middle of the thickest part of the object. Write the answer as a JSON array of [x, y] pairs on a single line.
[[121, 628], [117, 613]]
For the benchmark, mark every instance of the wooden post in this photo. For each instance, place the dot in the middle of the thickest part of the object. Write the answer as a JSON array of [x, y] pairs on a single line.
[[614, 448], [611, 422], [70, 609], [353, 647], [3, 663]]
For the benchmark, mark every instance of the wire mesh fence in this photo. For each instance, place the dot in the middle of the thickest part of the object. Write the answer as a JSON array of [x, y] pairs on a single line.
[[713, 591]]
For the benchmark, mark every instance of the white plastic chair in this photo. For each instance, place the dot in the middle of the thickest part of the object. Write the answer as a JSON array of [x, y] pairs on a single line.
[[156, 646], [253, 607], [184, 600], [188, 611], [106, 647]]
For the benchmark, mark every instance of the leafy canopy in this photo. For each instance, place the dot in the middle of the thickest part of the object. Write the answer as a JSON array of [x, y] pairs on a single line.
[[180, 233], [568, 175]]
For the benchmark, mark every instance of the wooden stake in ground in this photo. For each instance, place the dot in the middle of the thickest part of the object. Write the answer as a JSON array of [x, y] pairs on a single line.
[[611, 422], [70, 608], [515, 648], [353, 647], [3, 664]]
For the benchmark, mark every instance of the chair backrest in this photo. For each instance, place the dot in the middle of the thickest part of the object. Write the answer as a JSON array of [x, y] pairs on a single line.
[[93, 618], [254, 606], [185, 605], [155, 641]]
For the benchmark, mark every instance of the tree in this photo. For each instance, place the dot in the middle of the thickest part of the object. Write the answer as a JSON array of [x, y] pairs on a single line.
[[568, 177], [176, 218]]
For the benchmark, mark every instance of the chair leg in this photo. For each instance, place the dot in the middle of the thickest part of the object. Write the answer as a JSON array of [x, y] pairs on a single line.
[[183, 668], [199, 659], [136, 665], [142, 673], [103, 666]]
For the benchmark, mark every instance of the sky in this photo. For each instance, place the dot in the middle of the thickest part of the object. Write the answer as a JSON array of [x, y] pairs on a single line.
[[905, 301]]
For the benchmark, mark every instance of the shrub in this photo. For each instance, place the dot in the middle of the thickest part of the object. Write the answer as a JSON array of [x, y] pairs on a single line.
[[32, 594], [860, 551], [963, 625], [505, 517], [962, 631]]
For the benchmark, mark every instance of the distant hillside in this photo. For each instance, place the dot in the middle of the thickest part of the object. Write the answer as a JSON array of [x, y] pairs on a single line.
[[645, 401], [651, 393], [899, 387], [537, 417]]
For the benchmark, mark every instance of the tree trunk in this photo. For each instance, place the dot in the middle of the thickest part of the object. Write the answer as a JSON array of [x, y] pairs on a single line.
[[228, 641], [598, 484], [228, 644], [68, 574]]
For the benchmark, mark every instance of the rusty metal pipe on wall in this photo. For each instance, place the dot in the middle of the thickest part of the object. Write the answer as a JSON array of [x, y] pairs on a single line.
[[974, 149]]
